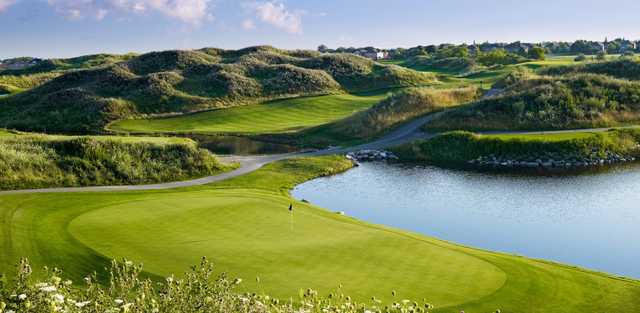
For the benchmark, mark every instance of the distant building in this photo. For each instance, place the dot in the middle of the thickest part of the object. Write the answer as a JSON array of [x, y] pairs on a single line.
[[373, 54], [18, 63]]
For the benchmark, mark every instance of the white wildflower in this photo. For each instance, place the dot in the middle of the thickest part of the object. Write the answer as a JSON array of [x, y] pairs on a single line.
[[40, 285], [68, 282], [48, 288], [58, 297], [82, 304], [22, 296], [169, 280], [118, 301]]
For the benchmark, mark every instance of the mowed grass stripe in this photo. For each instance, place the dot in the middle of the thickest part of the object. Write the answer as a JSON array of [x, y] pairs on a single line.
[[244, 226], [270, 117]]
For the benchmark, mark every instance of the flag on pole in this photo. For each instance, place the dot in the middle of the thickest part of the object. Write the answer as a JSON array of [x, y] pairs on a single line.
[[291, 216]]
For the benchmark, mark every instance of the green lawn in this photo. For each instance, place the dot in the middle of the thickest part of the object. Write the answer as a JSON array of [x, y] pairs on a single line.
[[244, 226], [5, 133], [270, 117]]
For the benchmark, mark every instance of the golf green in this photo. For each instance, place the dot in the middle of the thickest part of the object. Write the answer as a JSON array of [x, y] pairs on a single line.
[[245, 227]]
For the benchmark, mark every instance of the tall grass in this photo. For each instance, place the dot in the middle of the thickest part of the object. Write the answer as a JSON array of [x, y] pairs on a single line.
[[38, 162], [550, 102]]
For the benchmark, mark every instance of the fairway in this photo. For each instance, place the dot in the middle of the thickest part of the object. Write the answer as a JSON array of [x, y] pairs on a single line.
[[244, 226], [270, 117]]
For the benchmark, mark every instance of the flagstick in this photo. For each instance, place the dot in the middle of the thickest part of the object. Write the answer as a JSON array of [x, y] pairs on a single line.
[[291, 220]]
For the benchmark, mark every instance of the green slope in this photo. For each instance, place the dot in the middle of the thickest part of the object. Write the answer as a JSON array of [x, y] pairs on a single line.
[[270, 117], [188, 81], [244, 226]]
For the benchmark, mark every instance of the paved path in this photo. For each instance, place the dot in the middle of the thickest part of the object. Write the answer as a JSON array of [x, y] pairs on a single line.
[[406, 133]]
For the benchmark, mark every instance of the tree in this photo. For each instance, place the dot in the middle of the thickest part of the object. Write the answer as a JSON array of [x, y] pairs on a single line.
[[537, 53], [323, 48], [581, 57], [461, 51]]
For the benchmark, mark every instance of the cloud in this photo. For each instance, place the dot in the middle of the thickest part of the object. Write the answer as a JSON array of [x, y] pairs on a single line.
[[275, 13], [4, 4], [188, 11], [248, 24]]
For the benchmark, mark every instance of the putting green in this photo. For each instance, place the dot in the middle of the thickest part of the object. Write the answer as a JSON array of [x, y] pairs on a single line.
[[244, 226], [270, 117]]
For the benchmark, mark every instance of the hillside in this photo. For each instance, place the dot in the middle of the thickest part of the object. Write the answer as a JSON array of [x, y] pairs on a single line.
[[282, 115], [529, 101], [185, 81], [392, 111], [624, 68]]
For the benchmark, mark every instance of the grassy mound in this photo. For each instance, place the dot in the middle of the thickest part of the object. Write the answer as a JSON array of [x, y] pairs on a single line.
[[453, 66], [271, 117], [186, 81], [543, 102], [28, 161], [244, 227], [457, 148], [620, 68], [15, 83], [389, 113]]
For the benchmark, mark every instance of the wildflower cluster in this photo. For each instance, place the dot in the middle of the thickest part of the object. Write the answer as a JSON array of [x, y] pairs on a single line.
[[198, 290]]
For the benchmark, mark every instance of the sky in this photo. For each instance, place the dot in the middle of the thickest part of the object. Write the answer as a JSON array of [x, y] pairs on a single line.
[[66, 28]]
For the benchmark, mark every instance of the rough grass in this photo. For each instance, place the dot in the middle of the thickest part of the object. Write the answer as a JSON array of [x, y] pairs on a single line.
[[550, 102], [243, 225], [619, 68], [456, 148], [193, 80], [270, 117], [28, 161]]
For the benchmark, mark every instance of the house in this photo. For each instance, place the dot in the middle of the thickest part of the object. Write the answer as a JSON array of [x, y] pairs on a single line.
[[373, 54]]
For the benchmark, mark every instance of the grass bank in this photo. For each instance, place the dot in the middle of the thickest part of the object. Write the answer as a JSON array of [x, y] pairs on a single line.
[[459, 147], [244, 226], [37, 161]]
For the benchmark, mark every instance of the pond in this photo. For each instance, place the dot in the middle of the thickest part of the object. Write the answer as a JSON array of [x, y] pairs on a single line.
[[589, 220]]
